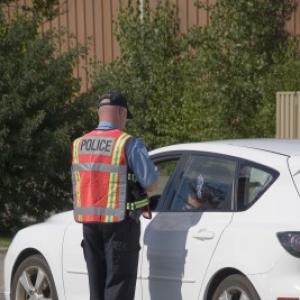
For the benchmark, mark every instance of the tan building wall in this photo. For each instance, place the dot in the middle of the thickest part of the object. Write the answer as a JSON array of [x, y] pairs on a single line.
[[94, 18], [288, 115]]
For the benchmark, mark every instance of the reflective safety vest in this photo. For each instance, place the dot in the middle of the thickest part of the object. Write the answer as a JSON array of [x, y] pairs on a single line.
[[100, 176]]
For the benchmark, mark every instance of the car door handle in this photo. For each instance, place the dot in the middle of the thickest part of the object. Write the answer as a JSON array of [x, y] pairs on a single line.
[[203, 234]]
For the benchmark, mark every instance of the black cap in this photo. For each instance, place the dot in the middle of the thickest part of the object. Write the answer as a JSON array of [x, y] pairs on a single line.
[[116, 99]]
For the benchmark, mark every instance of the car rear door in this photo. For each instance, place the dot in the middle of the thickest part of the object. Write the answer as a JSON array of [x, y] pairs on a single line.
[[178, 244]]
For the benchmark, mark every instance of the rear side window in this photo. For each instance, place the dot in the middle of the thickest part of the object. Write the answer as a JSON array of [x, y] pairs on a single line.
[[253, 181]]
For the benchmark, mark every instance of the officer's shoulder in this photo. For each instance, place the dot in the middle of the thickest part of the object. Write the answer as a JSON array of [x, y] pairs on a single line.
[[137, 141]]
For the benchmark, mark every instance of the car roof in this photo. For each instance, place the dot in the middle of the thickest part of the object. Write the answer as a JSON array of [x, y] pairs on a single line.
[[288, 147]]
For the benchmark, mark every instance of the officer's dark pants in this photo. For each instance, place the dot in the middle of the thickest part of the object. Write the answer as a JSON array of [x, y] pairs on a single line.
[[111, 252]]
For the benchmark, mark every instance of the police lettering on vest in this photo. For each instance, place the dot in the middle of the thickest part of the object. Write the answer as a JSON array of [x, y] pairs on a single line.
[[95, 145]]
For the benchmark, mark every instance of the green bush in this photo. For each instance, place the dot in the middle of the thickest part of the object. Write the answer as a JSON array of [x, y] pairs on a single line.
[[37, 120], [237, 53]]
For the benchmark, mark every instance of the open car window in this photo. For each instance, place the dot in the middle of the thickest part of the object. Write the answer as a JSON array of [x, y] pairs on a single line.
[[165, 169]]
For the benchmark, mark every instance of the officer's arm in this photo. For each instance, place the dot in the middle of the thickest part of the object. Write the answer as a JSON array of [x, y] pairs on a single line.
[[152, 187], [141, 164]]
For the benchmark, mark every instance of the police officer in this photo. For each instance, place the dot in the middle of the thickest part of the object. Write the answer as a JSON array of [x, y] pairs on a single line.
[[103, 161]]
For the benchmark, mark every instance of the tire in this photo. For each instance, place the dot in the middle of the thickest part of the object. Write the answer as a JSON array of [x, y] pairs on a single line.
[[235, 287], [33, 280]]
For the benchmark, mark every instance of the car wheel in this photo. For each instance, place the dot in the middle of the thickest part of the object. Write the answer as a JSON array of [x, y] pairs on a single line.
[[33, 280], [235, 287]]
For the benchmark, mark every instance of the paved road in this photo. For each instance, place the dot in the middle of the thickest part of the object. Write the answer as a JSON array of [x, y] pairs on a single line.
[[2, 255]]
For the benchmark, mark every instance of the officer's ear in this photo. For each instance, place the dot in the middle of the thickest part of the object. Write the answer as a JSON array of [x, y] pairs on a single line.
[[122, 112]]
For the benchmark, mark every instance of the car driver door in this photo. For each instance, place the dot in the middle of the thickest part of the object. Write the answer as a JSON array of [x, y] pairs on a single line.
[[179, 243]]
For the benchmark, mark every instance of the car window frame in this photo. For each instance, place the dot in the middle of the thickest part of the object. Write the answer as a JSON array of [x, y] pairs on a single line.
[[186, 155], [183, 156]]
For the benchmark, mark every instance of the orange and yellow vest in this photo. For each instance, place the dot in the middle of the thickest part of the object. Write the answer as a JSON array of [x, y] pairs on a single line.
[[99, 176]]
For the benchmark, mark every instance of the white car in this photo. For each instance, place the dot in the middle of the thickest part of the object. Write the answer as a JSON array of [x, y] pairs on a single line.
[[244, 246]]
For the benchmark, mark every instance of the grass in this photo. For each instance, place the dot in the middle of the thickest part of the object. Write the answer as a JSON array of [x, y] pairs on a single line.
[[5, 242]]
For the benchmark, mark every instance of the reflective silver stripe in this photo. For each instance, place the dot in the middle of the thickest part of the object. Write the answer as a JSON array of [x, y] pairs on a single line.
[[98, 211], [122, 192], [74, 183], [99, 167], [96, 145]]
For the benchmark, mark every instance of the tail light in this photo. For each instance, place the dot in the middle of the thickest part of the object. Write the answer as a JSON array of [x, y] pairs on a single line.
[[290, 241], [287, 298]]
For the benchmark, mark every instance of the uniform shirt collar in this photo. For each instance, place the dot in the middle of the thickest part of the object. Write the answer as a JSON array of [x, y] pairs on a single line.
[[106, 125]]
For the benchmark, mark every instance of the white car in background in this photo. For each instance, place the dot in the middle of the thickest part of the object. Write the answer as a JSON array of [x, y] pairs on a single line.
[[246, 246]]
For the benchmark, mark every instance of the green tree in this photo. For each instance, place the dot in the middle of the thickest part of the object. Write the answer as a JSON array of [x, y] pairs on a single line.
[[37, 117], [235, 54]]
